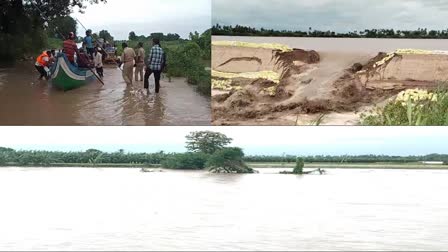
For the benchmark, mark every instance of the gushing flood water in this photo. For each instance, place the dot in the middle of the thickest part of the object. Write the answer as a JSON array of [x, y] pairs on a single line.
[[123, 209], [26, 101]]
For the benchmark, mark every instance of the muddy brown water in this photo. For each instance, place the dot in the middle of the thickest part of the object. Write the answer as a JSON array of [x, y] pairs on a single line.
[[26, 101], [124, 209]]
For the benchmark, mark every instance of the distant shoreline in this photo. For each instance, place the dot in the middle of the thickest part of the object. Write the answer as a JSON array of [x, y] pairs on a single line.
[[377, 166], [239, 30], [347, 166]]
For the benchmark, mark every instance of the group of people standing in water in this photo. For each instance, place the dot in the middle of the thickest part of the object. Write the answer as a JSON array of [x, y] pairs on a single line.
[[155, 64], [92, 54]]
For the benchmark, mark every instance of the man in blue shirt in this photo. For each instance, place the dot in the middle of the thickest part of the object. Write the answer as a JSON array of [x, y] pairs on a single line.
[[89, 43], [155, 64]]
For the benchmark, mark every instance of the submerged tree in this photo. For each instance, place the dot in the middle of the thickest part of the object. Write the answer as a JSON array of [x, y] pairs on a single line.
[[228, 160], [207, 142], [300, 163]]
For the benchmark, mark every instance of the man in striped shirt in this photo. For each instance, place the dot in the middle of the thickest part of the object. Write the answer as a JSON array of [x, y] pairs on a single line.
[[155, 64]]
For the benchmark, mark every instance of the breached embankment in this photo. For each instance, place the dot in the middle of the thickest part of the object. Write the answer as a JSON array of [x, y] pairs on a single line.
[[270, 84], [246, 77], [405, 68]]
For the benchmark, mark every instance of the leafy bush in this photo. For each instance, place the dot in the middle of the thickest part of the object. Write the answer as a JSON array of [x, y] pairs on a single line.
[[228, 160], [186, 61], [185, 161], [300, 163]]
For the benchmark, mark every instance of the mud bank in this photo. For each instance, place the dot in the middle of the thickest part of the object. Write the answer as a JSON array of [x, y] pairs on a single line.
[[311, 88], [404, 69]]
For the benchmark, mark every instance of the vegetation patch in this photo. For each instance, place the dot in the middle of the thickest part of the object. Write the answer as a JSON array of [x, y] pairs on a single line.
[[413, 107], [272, 46]]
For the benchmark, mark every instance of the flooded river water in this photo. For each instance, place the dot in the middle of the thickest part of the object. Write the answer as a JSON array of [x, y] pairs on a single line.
[[123, 209], [26, 101]]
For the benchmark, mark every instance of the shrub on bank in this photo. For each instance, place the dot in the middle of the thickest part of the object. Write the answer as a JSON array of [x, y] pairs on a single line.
[[185, 161], [228, 160], [186, 61]]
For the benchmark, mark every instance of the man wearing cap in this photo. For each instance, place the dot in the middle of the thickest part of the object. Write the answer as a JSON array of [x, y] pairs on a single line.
[[70, 48]]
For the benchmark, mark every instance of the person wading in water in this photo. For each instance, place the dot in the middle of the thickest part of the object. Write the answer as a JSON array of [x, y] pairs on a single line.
[[98, 60], [139, 62], [70, 48], [156, 63], [42, 64], [127, 58]]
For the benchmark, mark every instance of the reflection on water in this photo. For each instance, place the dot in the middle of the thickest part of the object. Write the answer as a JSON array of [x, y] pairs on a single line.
[[26, 101], [123, 209]]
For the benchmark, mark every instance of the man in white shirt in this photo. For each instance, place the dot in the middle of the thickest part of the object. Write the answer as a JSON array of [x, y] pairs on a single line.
[[98, 61]]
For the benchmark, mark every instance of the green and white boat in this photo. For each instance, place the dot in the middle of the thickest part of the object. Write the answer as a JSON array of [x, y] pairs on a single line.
[[66, 76]]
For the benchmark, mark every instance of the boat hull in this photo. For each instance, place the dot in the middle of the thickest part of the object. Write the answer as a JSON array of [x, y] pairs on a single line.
[[66, 77]]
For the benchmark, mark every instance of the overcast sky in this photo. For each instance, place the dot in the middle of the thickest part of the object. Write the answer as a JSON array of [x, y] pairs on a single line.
[[120, 17], [254, 140], [338, 15]]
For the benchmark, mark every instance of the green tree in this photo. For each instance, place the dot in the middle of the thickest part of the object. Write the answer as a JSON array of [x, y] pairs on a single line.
[[300, 164], [158, 35], [207, 142], [104, 34], [132, 36], [61, 26], [228, 160], [2, 158], [22, 24], [172, 37]]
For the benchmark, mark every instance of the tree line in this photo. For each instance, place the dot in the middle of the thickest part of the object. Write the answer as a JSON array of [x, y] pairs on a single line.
[[347, 159], [159, 35], [239, 30], [196, 158], [206, 150]]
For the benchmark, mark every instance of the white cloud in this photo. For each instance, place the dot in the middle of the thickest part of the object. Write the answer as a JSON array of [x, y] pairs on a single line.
[[339, 15], [120, 17]]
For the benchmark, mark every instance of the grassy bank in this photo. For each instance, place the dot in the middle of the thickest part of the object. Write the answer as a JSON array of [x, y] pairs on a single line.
[[412, 108], [381, 165]]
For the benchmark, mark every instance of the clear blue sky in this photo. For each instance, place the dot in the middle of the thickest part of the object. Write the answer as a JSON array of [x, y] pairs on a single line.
[[254, 140]]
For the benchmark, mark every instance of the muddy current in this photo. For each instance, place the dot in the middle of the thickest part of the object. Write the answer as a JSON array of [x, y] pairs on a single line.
[[24, 100]]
